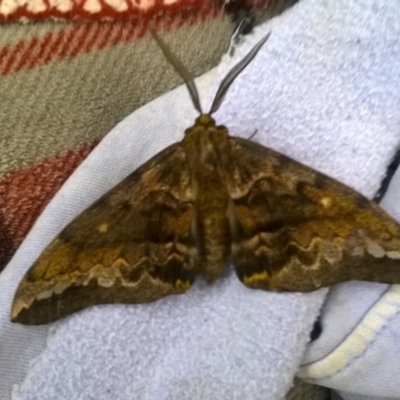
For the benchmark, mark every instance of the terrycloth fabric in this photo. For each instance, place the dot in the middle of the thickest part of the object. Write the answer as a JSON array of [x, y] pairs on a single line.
[[321, 91]]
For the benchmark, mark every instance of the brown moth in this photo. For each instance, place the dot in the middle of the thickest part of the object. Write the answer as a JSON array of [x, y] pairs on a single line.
[[199, 203]]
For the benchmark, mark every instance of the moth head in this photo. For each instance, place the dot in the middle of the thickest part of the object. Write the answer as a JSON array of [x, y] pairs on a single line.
[[226, 82]]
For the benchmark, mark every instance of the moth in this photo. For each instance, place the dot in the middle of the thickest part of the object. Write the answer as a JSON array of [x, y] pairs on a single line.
[[201, 203]]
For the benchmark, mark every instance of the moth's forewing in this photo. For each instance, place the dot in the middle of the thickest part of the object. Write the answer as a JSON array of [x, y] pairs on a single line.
[[133, 245], [296, 229]]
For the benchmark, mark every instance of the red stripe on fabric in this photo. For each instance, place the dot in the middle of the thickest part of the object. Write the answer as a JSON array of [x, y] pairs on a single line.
[[114, 36], [118, 35], [54, 49], [90, 43], [79, 41], [12, 56], [44, 45], [130, 33], [24, 194], [104, 39], [4, 52], [85, 37], [27, 55], [91, 40], [66, 45]]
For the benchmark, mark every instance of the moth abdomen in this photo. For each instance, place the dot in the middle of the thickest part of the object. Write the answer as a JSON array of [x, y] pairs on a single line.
[[213, 242]]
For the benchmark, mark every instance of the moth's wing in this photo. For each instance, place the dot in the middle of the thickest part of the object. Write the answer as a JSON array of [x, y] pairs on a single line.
[[296, 229], [133, 245]]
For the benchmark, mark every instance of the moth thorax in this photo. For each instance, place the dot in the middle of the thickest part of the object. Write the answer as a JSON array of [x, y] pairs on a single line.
[[201, 124]]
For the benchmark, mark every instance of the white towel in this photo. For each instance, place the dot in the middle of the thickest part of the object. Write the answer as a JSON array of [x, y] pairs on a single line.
[[323, 90]]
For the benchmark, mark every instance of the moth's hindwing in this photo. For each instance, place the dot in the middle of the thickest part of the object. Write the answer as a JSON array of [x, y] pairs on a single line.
[[296, 229], [133, 245]]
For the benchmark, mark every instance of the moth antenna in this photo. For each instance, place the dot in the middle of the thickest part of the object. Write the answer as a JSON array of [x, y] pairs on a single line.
[[233, 73], [181, 70]]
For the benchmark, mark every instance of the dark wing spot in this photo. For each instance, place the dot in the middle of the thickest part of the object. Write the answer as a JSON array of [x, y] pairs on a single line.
[[172, 271], [247, 263]]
